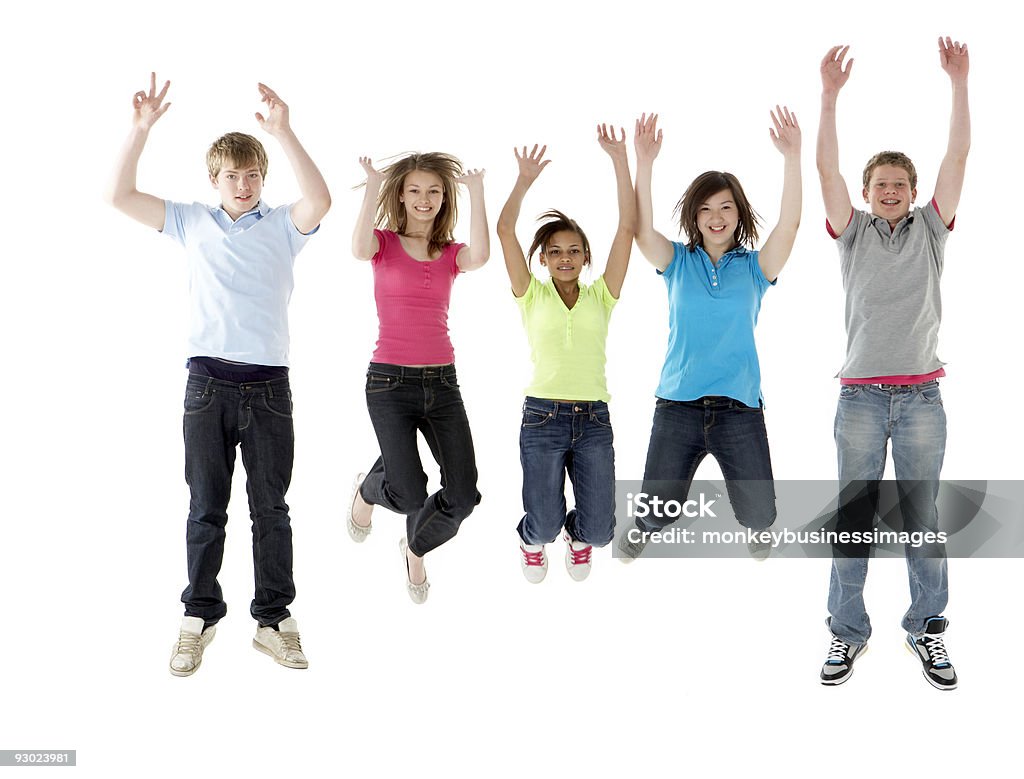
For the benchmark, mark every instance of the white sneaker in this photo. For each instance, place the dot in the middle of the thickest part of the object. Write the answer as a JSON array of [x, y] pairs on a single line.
[[282, 644], [533, 561], [577, 557], [192, 640]]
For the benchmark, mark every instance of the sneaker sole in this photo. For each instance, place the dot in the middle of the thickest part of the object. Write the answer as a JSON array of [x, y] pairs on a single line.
[[924, 673], [175, 672], [846, 678], [286, 663], [357, 533]]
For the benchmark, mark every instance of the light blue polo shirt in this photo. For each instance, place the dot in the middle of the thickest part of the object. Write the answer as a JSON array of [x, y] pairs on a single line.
[[712, 312], [240, 279]]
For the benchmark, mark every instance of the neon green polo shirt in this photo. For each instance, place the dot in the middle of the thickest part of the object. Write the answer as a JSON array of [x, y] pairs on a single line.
[[567, 345]]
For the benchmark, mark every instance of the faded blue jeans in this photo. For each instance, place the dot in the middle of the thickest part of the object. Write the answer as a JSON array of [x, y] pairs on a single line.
[[575, 437], [912, 418]]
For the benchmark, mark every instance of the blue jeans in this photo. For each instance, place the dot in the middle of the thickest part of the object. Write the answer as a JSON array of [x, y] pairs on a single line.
[[219, 417], [402, 401], [685, 432], [559, 437], [913, 419]]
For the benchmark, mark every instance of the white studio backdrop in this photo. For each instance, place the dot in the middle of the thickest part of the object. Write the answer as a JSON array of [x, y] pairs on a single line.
[[705, 667]]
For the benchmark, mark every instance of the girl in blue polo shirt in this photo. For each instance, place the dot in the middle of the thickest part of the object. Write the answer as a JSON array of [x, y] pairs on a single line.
[[709, 396], [566, 427]]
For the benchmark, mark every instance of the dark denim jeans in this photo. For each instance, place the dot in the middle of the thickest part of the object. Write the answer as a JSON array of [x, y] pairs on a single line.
[[913, 420], [401, 401], [220, 416], [559, 437], [685, 432]]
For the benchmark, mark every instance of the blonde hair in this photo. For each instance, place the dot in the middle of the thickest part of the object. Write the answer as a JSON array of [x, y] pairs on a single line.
[[390, 211], [240, 150]]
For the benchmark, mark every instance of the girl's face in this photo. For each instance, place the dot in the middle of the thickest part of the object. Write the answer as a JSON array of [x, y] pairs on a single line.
[[717, 219], [563, 255], [422, 195]]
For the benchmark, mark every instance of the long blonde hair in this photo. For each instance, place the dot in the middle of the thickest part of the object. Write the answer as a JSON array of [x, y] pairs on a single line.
[[391, 213]]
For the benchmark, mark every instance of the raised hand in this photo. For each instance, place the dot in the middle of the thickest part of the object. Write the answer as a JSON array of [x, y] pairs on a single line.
[[149, 106], [647, 138], [616, 148], [277, 111], [786, 133], [471, 178], [833, 73], [530, 165], [372, 174], [954, 58]]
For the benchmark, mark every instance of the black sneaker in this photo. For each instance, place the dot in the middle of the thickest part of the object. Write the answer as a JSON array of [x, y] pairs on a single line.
[[838, 665], [931, 651], [630, 550]]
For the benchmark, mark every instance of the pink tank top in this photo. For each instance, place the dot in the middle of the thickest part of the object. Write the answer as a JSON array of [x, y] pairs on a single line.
[[412, 303]]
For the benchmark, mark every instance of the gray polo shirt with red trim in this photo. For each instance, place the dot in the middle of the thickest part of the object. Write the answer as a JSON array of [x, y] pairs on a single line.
[[893, 304]]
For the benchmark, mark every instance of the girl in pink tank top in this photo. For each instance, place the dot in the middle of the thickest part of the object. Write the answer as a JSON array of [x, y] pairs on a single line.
[[405, 229]]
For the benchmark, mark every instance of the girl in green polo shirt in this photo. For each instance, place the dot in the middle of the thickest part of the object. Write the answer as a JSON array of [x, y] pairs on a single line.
[[566, 427]]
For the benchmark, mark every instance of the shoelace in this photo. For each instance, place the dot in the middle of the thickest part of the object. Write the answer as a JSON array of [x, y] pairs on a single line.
[[290, 641], [533, 558], [837, 651], [936, 650], [580, 556], [189, 643]]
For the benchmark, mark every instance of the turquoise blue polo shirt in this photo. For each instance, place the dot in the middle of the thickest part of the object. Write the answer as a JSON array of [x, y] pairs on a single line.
[[240, 279], [712, 311]]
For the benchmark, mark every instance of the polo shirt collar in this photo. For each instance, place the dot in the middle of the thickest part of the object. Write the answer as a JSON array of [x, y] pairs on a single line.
[[882, 224], [259, 210]]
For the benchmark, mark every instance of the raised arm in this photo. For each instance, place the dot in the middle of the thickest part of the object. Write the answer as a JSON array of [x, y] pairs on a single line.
[[653, 245], [307, 212], [950, 181], [364, 243], [622, 245], [838, 208], [530, 166], [776, 250], [479, 250], [122, 193]]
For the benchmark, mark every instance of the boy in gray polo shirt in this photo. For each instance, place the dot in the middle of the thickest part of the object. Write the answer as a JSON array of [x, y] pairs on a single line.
[[240, 255], [891, 261]]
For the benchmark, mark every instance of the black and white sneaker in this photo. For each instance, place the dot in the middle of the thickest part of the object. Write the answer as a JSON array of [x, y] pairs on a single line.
[[838, 665], [931, 651]]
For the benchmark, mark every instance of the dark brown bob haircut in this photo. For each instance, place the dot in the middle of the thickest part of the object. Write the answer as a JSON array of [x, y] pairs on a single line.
[[697, 194], [557, 222]]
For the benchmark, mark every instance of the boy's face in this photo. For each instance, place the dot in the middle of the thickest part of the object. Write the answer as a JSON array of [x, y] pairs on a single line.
[[889, 193], [239, 187]]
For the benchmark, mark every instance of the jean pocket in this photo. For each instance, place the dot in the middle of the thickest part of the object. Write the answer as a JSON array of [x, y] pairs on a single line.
[[279, 405], [376, 383], [930, 394], [450, 381], [602, 418], [197, 401], [847, 391], [532, 419]]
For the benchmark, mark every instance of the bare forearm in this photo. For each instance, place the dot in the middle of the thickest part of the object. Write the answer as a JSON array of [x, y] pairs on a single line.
[[364, 242], [509, 216], [959, 124], [122, 192], [827, 156], [311, 182], [479, 236]]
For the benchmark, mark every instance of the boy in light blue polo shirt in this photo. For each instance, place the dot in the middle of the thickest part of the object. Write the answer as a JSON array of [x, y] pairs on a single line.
[[240, 257], [891, 260]]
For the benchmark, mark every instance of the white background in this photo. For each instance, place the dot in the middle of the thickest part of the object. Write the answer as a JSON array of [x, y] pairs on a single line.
[[693, 667]]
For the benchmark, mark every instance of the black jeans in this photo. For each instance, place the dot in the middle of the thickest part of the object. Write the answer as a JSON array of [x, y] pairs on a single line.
[[401, 401], [220, 416]]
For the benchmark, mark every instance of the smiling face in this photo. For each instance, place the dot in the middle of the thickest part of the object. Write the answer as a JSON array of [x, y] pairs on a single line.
[[564, 255], [239, 186], [889, 193], [422, 196], [717, 219]]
